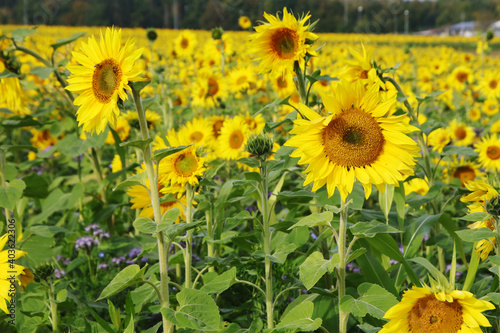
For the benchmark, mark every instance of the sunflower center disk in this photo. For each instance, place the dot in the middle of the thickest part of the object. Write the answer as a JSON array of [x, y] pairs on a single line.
[[196, 136], [460, 133], [493, 84], [184, 43], [429, 315], [465, 174], [462, 77], [284, 42], [493, 152], [106, 79], [353, 139], [186, 164], [236, 140], [213, 87]]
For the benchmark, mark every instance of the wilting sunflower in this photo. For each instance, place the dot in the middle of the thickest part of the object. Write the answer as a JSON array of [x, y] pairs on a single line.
[[183, 167], [461, 134], [185, 44], [356, 140], [102, 79], [489, 152], [424, 310], [278, 43], [484, 246], [244, 22], [232, 139], [8, 269]]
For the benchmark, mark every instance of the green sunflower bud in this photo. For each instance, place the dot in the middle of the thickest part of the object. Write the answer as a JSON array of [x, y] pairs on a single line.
[[151, 34], [493, 207], [217, 33], [489, 35], [260, 144], [44, 272]]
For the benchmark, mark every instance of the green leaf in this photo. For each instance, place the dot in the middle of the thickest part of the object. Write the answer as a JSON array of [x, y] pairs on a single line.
[[6, 74], [5, 110], [495, 260], [128, 276], [374, 270], [399, 199], [177, 229], [370, 229], [314, 220], [278, 102], [373, 300], [233, 222], [197, 310], [36, 186], [355, 254], [385, 199], [64, 41], [169, 218], [162, 153], [153, 329], [102, 323], [139, 179], [474, 235], [221, 282], [62, 295], [20, 34], [11, 193], [145, 225], [314, 267], [436, 273], [459, 150], [114, 315], [138, 85], [474, 217], [430, 96], [42, 72], [422, 226], [300, 318], [20, 121], [48, 230], [141, 144], [130, 326]]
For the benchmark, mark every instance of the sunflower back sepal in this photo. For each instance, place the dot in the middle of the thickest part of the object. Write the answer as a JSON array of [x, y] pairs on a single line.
[[141, 144], [137, 86], [64, 41]]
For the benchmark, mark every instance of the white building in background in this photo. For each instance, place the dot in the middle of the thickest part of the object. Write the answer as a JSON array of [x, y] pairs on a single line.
[[466, 29], [495, 27]]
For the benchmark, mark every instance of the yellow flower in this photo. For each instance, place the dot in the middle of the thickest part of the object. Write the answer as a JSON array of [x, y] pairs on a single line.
[[116, 164], [462, 170], [232, 139], [460, 76], [461, 134], [417, 185], [185, 44], [481, 193], [489, 152], [482, 47], [360, 68], [183, 167], [424, 310], [8, 269], [255, 123], [438, 139], [196, 131], [358, 139], [102, 79], [244, 22], [484, 246], [278, 44], [122, 129], [490, 85], [490, 106]]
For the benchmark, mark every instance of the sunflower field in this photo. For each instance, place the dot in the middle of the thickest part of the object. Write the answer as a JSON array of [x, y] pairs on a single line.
[[273, 179]]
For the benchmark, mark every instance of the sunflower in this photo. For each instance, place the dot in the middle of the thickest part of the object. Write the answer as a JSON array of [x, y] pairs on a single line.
[[102, 79], [153, 119], [232, 139], [7, 270], [183, 167], [185, 44], [490, 85], [122, 129], [116, 164], [460, 77], [489, 152], [196, 131], [490, 106], [427, 309], [461, 134], [210, 87], [284, 85], [361, 68], [495, 127], [417, 185], [244, 22], [482, 192], [279, 43], [356, 140], [462, 170], [438, 139], [255, 123], [240, 79], [474, 114], [484, 246], [12, 94]]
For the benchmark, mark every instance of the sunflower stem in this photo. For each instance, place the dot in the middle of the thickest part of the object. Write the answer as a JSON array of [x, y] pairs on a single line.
[[53, 308], [189, 237], [301, 83], [155, 202], [267, 243], [343, 316], [210, 231]]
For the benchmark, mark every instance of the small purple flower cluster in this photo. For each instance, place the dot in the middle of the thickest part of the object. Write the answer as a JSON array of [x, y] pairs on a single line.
[[96, 231], [59, 273], [85, 241]]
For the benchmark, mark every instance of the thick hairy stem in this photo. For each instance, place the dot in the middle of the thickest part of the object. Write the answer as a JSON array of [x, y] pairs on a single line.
[[343, 316]]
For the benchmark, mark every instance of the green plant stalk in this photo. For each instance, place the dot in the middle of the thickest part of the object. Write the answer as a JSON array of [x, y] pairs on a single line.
[[155, 202], [53, 309], [267, 245], [189, 237], [343, 316], [471, 272], [210, 231], [301, 83]]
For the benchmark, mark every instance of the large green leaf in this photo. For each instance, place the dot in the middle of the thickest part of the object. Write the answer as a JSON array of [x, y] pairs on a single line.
[[474, 235], [314, 267], [370, 229], [219, 283], [373, 300], [64, 41], [197, 310], [314, 220], [11, 193], [299, 318], [128, 276]]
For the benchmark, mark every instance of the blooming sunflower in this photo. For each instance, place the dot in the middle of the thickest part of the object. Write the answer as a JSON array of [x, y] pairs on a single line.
[[489, 152], [361, 68], [7, 269], [484, 246], [438, 139], [185, 44], [183, 167], [232, 139], [417, 185], [196, 131], [122, 129], [461, 134], [482, 192], [490, 107], [279, 43], [102, 79], [462, 170], [490, 85], [255, 123], [356, 140], [425, 310], [460, 77], [244, 22], [12, 94]]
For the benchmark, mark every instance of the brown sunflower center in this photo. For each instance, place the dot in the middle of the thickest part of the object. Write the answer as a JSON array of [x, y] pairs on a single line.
[[430, 315], [213, 87], [186, 164], [284, 42], [106, 79], [462, 77], [196, 136], [493, 84], [353, 139], [281, 82], [363, 75], [236, 139], [464, 173], [217, 126], [460, 133], [493, 152], [184, 43]]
